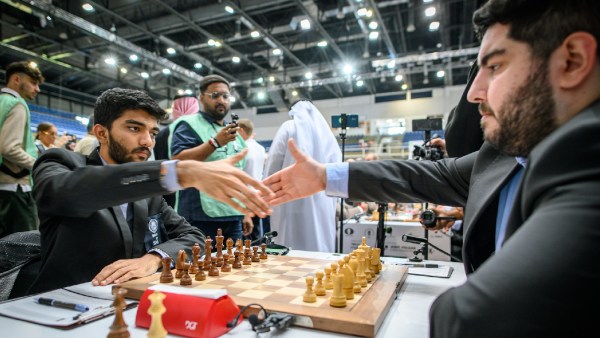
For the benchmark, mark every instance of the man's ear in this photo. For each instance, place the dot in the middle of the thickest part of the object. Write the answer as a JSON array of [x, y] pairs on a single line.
[[101, 133], [576, 58]]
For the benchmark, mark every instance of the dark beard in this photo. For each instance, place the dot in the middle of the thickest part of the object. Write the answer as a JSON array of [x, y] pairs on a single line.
[[527, 116], [119, 153], [212, 112]]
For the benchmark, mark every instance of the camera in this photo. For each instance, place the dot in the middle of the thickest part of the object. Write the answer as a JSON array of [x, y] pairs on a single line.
[[234, 118], [428, 218], [428, 152]]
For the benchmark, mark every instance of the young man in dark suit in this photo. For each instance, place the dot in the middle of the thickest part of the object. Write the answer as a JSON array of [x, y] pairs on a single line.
[[103, 218], [538, 91]]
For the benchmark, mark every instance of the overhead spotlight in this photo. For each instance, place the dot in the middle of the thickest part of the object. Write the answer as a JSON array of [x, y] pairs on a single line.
[[362, 11], [404, 86], [373, 35], [411, 28], [123, 70], [271, 78], [229, 10], [260, 95], [180, 91], [255, 34], [427, 1], [276, 51], [308, 75], [144, 75], [322, 43], [87, 7], [235, 59], [294, 93], [373, 25], [391, 64], [440, 73], [347, 69], [260, 80], [232, 99], [171, 51], [305, 24], [113, 28], [189, 92], [398, 78], [212, 42], [218, 43], [340, 13], [434, 26], [110, 61], [426, 80], [360, 83], [166, 71], [430, 11], [197, 65], [369, 13], [133, 58]]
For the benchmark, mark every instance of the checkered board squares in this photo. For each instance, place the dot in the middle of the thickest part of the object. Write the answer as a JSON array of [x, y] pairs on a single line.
[[278, 284]]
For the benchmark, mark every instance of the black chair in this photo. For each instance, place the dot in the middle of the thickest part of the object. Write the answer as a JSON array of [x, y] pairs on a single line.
[[19, 262]]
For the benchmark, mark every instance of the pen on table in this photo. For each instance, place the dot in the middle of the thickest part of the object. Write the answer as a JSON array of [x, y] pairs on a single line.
[[421, 265], [62, 305]]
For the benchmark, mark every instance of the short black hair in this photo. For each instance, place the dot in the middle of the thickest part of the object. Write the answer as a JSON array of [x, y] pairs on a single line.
[[111, 104], [209, 79], [25, 67], [542, 24]]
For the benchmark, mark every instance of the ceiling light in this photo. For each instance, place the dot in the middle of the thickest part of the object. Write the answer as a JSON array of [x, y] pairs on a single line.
[[276, 51], [229, 10], [180, 91], [133, 58], [255, 34], [260, 80], [308, 75], [166, 71], [123, 70], [171, 51], [144, 75], [373, 35], [360, 83], [305, 24], [404, 86], [391, 64], [430, 11], [434, 26], [211, 42], [271, 78], [427, 1], [347, 69], [362, 12], [410, 28], [87, 7], [322, 43], [440, 73], [232, 99], [369, 13], [110, 61], [294, 93], [398, 78], [373, 25], [197, 65], [235, 59], [217, 43], [260, 95], [189, 91]]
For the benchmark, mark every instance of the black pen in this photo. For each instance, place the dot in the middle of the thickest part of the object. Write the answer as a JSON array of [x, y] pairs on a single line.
[[422, 265], [62, 305]]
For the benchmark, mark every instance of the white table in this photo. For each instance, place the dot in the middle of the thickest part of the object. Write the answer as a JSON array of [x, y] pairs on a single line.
[[408, 316]]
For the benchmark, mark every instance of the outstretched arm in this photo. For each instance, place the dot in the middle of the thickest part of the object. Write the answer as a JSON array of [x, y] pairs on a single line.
[[302, 179]]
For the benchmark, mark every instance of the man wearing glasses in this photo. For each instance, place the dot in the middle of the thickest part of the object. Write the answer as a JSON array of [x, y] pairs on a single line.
[[17, 148], [206, 136]]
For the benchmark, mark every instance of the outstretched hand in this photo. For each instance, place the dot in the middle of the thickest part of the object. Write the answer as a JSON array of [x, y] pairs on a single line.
[[302, 179], [224, 182]]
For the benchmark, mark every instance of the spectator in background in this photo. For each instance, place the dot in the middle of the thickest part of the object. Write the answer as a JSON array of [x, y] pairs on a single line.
[[46, 137], [89, 142], [308, 223], [17, 148], [185, 105], [371, 157], [255, 165]]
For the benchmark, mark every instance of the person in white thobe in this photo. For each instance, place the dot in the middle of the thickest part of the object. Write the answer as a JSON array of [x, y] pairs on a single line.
[[308, 223]]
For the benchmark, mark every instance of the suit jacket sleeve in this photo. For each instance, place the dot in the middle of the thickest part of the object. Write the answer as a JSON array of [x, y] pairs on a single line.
[[181, 234], [443, 182]]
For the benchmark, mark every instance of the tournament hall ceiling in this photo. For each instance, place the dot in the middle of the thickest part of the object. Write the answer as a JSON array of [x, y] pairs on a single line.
[[272, 51]]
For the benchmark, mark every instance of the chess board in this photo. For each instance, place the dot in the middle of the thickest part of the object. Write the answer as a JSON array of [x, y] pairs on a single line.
[[278, 284]]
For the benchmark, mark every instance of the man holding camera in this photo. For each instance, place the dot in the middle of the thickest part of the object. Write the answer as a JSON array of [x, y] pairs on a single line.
[[207, 137]]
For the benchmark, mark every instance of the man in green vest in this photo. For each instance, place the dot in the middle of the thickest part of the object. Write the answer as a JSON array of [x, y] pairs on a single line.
[[17, 148], [206, 136]]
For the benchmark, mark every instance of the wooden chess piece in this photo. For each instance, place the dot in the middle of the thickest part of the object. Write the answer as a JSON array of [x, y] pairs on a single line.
[[239, 248], [334, 269], [156, 310], [309, 294], [219, 247], [247, 257], [166, 276], [255, 257], [328, 280], [118, 329], [225, 267], [181, 257], [375, 260], [208, 255], [338, 299], [348, 281], [214, 270], [319, 288], [354, 266], [229, 243], [195, 257], [200, 276], [236, 263], [248, 244], [186, 279], [360, 275], [263, 251]]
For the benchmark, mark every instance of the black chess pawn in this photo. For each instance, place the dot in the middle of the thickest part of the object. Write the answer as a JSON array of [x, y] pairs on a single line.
[[255, 257], [225, 267], [186, 279], [237, 264], [214, 270]]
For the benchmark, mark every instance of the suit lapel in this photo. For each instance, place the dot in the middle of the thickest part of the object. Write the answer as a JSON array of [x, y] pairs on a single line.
[[124, 227]]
